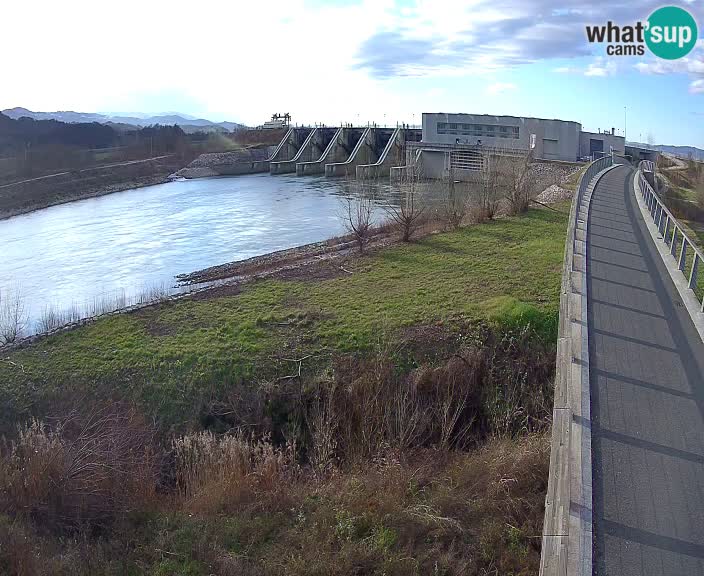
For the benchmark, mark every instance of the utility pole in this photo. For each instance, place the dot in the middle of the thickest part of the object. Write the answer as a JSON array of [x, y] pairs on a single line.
[[624, 124]]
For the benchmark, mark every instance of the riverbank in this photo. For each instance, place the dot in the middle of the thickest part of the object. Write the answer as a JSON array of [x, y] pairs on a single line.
[[494, 271], [35, 194], [324, 413]]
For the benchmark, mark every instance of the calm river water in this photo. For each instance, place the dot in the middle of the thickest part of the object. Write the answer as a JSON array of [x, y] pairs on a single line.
[[118, 245]]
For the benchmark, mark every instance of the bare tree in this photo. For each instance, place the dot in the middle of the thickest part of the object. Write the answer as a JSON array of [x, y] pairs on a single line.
[[491, 185], [407, 217], [455, 200], [523, 181], [13, 316], [358, 213]]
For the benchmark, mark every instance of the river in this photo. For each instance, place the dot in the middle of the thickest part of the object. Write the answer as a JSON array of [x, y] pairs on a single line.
[[113, 248]]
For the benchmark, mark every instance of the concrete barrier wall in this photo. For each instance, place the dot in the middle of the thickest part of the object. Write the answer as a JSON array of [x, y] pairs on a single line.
[[567, 528]]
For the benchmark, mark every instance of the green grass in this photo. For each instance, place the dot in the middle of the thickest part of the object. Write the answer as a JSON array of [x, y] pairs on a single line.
[[173, 357]]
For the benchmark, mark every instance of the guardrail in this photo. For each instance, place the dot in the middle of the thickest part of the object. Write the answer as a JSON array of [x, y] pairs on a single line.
[[567, 528], [592, 170], [674, 237]]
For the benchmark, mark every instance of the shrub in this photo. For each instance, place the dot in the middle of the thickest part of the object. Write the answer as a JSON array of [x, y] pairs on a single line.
[[85, 470], [218, 473]]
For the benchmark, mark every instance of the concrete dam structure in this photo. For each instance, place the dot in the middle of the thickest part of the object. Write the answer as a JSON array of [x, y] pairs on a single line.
[[341, 146], [313, 147], [368, 149], [349, 151], [289, 146], [392, 155]]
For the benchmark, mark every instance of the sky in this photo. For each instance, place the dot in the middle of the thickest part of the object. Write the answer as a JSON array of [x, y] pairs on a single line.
[[349, 61]]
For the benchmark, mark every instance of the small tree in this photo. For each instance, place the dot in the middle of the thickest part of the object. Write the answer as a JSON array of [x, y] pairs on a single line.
[[357, 216], [408, 216], [13, 317], [523, 181], [490, 188], [455, 200]]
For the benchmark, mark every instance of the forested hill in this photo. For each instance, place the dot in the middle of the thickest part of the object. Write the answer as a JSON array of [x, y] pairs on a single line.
[[16, 136]]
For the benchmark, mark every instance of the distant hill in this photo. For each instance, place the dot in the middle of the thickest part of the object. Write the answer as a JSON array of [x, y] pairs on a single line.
[[187, 123], [680, 151]]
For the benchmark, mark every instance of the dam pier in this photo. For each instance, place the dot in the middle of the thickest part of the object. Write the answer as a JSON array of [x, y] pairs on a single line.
[[349, 151]]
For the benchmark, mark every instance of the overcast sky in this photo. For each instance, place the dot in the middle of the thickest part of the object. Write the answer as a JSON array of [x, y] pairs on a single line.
[[352, 61]]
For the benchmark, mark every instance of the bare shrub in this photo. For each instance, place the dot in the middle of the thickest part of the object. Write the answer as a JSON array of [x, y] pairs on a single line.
[[323, 433], [523, 181], [490, 189], [517, 394], [83, 470], [53, 319], [357, 215], [218, 473], [408, 216], [455, 200], [13, 316]]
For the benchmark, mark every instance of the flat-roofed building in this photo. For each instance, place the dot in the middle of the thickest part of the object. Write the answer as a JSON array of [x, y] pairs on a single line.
[[458, 142]]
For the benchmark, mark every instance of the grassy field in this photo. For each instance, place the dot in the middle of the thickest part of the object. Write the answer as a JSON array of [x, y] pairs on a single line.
[[174, 357], [387, 415]]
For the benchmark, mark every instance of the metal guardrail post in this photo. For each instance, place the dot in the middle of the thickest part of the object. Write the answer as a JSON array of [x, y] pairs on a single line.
[[683, 255], [693, 273]]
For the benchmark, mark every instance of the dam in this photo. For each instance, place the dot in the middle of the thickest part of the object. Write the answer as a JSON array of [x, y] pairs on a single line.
[[344, 151]]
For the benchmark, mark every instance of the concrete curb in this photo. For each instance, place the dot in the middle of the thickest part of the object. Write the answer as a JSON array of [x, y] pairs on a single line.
[[567, 528], [688, 298]]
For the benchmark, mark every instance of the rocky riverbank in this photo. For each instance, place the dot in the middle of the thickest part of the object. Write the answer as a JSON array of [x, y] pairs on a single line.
[[224, 163]]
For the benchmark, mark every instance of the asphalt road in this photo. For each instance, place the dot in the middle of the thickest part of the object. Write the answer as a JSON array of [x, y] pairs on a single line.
[[647, 386]]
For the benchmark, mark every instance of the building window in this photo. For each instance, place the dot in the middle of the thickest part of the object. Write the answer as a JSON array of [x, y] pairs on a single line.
[[479, 130]]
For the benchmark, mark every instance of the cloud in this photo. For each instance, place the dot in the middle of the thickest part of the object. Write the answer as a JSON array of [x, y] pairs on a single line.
[[697, 86], [500, 87], [485, 35], [601, 67], [691, 65]]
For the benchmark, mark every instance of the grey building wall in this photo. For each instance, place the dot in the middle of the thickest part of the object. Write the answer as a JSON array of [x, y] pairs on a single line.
[[554, 139], [607, 141]]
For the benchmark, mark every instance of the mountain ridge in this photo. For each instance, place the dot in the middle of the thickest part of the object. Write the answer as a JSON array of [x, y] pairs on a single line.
[[680, 151], [71, 117]]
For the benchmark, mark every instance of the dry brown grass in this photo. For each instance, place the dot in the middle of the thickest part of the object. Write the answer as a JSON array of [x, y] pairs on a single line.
[[363, 468], [82, 471], [219, 473]]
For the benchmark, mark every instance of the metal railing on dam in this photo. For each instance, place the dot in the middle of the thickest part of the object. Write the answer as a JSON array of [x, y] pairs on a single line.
[[567, 528], [681, 255]]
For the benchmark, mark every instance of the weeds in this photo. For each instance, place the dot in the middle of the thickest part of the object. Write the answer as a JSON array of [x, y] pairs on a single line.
[[84, 471]]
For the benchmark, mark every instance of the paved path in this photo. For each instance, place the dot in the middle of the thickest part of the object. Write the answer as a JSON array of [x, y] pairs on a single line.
[[647, 386]]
